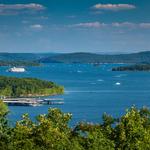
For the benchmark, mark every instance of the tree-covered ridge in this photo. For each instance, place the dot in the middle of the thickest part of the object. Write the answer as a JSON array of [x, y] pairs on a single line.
[[27, 87], [4, 56], [19, 63], [52, 132], [136, 67], [98, 58]]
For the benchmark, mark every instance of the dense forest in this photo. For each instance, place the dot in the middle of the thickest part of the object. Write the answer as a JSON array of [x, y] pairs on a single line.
[[23, 56], [136, 67], [19, 63], [27, 87], [79, 57], [98, 58], [52, 132]]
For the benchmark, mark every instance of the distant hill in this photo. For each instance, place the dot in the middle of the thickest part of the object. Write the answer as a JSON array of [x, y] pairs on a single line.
[[24, 56], [141, 57], [136, 67]]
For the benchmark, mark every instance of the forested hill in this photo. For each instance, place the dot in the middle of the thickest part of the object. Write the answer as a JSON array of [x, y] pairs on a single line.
[[19, 63], [27, 87], [23, 56], [22, 59], [136, 67], [140, 57]]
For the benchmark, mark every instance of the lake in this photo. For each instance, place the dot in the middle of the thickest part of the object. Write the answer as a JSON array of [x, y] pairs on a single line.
[[89, 90]]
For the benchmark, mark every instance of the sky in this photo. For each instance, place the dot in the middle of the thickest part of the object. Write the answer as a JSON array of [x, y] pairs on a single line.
[[96, 26]]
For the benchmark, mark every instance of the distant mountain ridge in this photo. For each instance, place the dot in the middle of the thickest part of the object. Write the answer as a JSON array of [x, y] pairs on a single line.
[[80, 57], [141, 57], [23, 56]]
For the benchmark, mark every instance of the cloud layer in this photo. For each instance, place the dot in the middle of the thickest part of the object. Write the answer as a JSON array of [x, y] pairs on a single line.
[[145, 25], [8, 9], [89, 25], [32, 6], [113, 24], [36, 26], [114, 7]]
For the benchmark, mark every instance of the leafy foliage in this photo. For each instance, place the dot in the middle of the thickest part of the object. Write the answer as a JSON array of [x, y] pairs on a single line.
[[18, 63], [20, 87], [137, 67], [52, 132], [98, 58]]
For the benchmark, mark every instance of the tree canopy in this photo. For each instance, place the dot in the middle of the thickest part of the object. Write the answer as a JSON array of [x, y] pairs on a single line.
[[27, 87], [136, 67], [51, 132]]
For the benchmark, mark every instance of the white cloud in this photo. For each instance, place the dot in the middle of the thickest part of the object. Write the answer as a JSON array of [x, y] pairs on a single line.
[[144, 25], [14, 9], [31, 6], [131, 25], [124, 24], [36, 26], [25, 21], [89, 25], [114, 7], [96, 24]]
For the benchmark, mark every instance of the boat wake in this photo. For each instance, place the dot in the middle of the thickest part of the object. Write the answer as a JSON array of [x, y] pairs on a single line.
[[120, 75], [100, 80]]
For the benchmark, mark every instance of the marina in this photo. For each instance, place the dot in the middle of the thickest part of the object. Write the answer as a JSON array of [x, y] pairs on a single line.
[[33, 101]]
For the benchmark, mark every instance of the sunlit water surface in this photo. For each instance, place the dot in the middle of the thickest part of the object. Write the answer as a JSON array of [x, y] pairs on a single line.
[[89, 91]]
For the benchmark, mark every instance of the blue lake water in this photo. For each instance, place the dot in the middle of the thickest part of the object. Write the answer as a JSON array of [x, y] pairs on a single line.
[[89, 91]]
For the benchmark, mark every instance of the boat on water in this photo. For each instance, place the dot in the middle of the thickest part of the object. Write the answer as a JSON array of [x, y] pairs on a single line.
[[118, 83], [17, 69]]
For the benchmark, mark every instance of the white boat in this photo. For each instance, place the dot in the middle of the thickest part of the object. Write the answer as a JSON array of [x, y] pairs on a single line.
[[118, 83], [17, 69]]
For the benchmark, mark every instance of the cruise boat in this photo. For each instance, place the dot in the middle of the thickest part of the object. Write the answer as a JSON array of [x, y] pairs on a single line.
[[17, 69]]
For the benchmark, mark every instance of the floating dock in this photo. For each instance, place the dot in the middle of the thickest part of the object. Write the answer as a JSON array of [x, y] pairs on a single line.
[[33, 101]]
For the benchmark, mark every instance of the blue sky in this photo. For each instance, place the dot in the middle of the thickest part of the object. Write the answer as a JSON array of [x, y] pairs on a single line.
[[101, 26]]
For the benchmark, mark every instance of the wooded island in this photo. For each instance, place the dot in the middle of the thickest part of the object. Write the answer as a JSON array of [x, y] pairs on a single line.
[[27, 87]]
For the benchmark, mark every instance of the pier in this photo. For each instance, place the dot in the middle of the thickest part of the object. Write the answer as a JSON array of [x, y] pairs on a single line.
[[53, 101], [33, 101]]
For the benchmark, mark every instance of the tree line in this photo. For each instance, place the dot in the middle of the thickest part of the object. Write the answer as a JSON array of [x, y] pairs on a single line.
[[18, 63], [52, 132], [136, 67], [27, 87]]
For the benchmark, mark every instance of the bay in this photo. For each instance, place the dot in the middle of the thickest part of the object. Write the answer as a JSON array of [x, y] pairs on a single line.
[[89, 90]]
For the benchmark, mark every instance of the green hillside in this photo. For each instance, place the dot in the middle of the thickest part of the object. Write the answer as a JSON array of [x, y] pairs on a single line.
[[136, 67], [18, 63], [23, 56], [27, 87], [98, 58]]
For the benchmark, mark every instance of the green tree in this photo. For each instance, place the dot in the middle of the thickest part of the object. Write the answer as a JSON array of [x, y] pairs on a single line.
[[4, 128], [133, 130]]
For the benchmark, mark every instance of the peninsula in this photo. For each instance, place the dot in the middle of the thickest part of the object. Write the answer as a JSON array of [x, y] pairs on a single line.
[[27, 87], [136, 67]]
